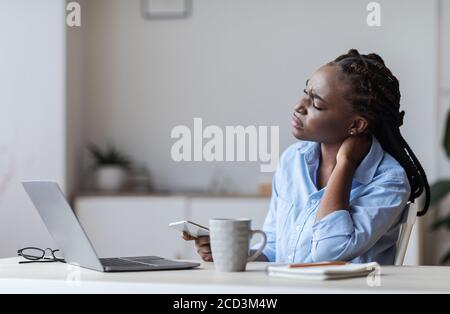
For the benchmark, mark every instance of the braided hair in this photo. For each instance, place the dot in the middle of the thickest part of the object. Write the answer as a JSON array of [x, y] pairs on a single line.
[[376, 96]]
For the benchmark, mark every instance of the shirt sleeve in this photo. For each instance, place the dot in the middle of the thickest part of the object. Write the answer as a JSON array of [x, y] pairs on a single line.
[[347, 234]]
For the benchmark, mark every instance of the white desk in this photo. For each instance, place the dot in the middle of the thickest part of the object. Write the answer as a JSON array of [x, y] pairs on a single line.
[[62, 278]]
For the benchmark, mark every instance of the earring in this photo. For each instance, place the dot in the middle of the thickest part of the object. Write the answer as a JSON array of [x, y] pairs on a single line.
[[351, 132]]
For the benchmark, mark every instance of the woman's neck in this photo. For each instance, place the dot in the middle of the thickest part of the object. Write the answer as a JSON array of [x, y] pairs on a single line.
[[328, 153]]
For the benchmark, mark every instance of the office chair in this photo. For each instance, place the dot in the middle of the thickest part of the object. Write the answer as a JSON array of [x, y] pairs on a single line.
[[405, 232]]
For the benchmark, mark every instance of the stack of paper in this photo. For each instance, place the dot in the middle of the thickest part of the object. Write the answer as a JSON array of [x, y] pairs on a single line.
[[322, 271]]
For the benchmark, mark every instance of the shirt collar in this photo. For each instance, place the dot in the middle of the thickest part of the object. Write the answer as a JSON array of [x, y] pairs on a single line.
[[366, 169]]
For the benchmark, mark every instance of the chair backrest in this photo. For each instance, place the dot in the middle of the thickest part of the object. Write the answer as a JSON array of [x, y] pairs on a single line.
[[405, 232]]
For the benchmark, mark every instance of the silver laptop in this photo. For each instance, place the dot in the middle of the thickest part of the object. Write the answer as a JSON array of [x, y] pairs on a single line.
[[72, 240]]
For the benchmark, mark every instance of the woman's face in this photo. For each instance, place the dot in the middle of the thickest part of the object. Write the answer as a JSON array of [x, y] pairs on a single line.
[[323, 114]]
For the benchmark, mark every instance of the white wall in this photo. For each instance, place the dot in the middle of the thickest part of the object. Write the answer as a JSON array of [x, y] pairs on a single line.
[[32, 109], [241, 62]]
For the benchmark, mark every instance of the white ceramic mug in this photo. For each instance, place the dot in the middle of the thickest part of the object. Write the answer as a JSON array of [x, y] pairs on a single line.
[[230, 243]]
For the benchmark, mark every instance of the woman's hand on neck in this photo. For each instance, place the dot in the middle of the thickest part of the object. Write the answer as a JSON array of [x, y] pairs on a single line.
[[354, 148], [349, 155]]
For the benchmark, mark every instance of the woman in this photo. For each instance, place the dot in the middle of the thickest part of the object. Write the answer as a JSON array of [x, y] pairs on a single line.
[[339, 193]]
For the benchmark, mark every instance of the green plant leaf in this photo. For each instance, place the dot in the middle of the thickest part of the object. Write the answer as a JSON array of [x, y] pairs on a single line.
[[96, 152], [446, 142], [442, 222], [438, 191], [446, 258], [110, 156]]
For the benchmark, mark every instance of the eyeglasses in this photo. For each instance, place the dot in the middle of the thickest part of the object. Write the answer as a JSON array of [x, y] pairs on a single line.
[[37, 255]]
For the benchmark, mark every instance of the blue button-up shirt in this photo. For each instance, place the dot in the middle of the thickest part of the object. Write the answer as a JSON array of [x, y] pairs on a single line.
[[367, 231]]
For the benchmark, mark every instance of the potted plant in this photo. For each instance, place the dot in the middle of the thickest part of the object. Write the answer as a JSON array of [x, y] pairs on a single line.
[[441, 188], [110, 167]]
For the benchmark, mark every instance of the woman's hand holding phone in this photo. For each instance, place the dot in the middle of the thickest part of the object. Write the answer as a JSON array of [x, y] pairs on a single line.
[[202, 244]]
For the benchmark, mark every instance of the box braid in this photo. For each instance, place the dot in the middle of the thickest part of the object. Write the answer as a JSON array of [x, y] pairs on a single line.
[[376, 96]]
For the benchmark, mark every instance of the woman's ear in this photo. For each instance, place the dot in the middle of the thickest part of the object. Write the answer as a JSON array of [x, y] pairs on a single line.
[[358, 126]]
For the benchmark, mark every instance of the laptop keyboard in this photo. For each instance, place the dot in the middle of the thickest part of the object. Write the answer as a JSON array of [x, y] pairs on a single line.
[[130, 261]]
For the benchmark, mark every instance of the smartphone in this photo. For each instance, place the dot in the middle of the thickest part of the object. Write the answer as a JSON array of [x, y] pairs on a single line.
[[190, 228]]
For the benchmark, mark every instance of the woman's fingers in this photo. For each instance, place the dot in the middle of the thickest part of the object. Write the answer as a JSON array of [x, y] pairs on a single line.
[[205, 255], [205, 252], [187, 236], [200, 241], [202, 244], [206, 249], [207, 258]]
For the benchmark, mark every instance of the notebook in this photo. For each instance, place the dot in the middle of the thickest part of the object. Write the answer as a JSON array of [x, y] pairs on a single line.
[[321, 271]]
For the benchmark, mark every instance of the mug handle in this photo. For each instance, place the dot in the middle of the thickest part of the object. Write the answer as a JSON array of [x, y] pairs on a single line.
[[259, 251]]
